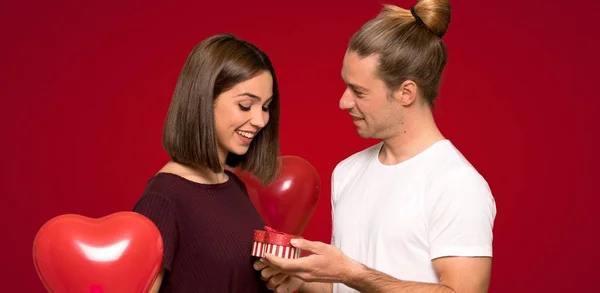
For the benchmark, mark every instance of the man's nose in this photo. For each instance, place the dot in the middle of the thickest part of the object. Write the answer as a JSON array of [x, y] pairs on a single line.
[[347, 100]]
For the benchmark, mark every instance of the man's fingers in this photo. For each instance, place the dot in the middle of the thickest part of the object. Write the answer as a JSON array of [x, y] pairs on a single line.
[[312, 246], [259, 265], [283, 264], [289, 285], [283, 289], [289, 266], [268, 272], [276, 280]]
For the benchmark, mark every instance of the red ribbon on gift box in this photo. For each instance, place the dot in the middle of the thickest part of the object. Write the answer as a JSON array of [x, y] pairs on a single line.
[[260, 235], [275, 237]]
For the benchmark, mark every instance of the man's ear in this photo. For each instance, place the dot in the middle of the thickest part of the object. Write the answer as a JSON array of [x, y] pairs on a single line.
[[406, 93]]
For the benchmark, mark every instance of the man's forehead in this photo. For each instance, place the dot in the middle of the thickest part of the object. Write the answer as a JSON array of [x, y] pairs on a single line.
[[356, 68]]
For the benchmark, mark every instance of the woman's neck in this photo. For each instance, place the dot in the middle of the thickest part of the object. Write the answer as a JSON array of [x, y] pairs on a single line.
[[199, 175]]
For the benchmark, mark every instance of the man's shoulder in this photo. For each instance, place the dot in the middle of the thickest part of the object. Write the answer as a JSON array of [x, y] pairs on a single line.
[[453, 176], [358, 159], [452, 166]]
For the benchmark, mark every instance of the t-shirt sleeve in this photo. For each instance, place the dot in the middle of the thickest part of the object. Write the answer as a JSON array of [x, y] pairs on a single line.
[[333, 198], [161, 211], [462, 217]]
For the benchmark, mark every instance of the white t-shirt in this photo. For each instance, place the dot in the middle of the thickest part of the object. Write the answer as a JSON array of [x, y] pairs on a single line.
[[398, 218]]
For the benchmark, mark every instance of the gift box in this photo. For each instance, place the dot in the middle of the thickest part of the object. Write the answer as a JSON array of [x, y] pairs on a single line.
[[258, 245], [278, 244], [274, 242]]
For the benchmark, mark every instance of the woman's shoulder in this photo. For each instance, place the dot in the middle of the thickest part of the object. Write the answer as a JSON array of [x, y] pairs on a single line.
[[161, 183], [163, 187]]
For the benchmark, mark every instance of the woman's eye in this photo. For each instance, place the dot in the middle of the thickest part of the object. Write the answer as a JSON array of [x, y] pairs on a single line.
[[266, 106], [244, 108]]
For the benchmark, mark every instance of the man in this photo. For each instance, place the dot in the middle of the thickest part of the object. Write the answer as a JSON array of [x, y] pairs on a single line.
[[410, 214]]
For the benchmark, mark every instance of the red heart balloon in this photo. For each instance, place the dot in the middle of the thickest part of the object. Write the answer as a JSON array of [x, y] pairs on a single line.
[[288, 203], [119, 253]]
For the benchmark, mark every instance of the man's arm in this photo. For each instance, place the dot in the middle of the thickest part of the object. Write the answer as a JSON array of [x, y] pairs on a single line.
[[327, 264], [316, 288], [456, 274]]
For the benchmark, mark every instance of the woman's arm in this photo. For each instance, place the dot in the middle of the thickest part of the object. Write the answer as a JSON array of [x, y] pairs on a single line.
[[161, 211], [157, 282]]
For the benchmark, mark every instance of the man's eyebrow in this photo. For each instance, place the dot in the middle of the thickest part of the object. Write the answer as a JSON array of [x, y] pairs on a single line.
[[358, 88], [354, 86]]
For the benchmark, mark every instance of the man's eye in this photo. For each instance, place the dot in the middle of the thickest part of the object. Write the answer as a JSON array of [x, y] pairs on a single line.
[[356, 92]]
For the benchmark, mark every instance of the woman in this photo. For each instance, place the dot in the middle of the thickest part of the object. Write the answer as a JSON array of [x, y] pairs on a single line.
[[224, 113]]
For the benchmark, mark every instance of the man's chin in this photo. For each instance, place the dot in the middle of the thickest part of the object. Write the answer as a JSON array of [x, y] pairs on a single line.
[[365, 134]]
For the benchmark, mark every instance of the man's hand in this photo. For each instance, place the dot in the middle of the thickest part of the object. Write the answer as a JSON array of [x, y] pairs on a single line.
[[277, 281], [326, 264]]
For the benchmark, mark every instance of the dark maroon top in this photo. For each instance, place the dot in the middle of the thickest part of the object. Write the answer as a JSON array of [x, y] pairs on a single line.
[[207, 231]]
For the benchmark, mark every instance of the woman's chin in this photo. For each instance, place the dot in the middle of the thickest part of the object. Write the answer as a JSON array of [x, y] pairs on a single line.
[[239, 150]]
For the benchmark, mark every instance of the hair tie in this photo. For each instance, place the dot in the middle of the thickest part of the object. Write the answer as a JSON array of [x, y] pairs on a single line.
[[420, 21], [417, 18]]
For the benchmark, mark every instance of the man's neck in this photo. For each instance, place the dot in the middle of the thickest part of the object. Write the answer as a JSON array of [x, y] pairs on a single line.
[[419, 132]]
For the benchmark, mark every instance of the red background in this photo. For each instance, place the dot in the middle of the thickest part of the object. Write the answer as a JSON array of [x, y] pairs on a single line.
[[85, 88]]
